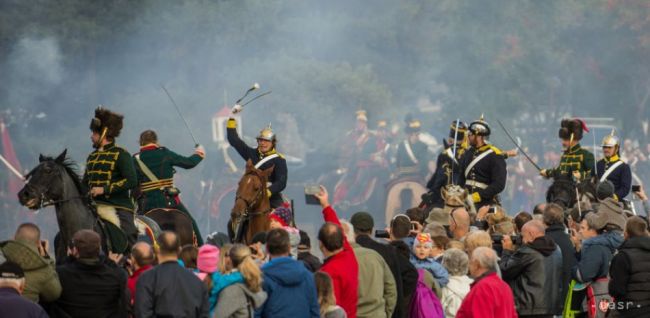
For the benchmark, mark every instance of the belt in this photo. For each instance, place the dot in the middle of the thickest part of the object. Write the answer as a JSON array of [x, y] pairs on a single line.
[[476, 184], [156, 185]]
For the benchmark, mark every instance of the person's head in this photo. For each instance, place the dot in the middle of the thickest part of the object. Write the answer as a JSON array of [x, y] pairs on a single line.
[[553, 214], [605, 190], [105, 127], [330, 237], [439, 244], [208, 259], [225, 263], [455, 261], [188, 255], [168, 246], [242, 259], [477, 239], [610, 145], [305, 242], [28, 232], [591, 225], [266, 140], [459, 221], [417, 215], [400, 227], [148, 137], [278, 243], [422, 246], [483, 260], [520, 219], [479, 132], [142, 255], [362, 121], [532, 230], [635, 227], [258, 243], [86, 244], [12, 276], [363, 223], [280, 218], [539, 209], [456, 244], [348, 230], [325, 291]]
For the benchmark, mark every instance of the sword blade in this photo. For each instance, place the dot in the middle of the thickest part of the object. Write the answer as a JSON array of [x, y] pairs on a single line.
[[518, 147], [179, 114]]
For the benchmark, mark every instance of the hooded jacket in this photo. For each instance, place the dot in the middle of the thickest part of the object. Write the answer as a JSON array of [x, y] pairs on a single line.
[[630, 277], [290, 288], [41, 280], [614, 211], [595, 255], [238, 301], [454, 293]]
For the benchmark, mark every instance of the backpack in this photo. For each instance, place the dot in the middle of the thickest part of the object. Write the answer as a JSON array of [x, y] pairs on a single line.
[[425, 304]]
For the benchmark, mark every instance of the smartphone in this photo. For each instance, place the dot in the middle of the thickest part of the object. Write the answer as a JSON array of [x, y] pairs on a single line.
[[636, 188], [310, 194]]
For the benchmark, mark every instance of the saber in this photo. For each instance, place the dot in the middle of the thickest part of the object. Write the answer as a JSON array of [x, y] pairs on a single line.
[[254, 87], [454, 151], [196, 144], [11, 168], [518, 147], [256, 97]]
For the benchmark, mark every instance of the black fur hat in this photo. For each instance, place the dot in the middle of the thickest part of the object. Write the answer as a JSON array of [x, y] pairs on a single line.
[[572, 126], [105, 118]]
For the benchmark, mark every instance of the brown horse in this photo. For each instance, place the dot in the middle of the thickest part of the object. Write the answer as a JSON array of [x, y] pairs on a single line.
[[250, 213]]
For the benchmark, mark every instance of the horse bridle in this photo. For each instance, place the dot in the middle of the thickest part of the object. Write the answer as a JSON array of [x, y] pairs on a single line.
[[249, 204], [44, 201]]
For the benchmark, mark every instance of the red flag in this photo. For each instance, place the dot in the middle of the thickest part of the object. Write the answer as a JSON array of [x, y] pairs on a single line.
[[14, 184]]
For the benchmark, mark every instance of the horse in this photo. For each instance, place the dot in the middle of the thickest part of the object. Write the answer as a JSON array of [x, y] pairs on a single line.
[[566, 192], [249, 214], [54, 181]]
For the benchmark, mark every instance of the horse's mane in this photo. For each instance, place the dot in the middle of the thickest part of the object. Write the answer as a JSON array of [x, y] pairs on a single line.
[[70, 168]]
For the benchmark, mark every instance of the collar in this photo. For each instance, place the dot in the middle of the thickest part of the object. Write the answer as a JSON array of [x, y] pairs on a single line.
[[140, 270], [268, 153], [612, 159], [485, 275], [573, 149], [149, 147], [483, 148]]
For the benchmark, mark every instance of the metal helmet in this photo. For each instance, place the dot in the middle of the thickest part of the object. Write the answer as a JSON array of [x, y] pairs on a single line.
[[610, 140], [479, 127], [413, 126], [462, 130], [362, 115], [267, 134]]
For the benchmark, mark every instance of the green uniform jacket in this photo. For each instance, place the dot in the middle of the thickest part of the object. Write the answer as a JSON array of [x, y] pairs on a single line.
[[161, 161], [112, 168], [575, 158]]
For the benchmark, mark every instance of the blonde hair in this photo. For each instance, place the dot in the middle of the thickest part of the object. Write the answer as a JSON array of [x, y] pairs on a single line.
[[477, 239], [225, 253], [242, 259], [325, 291]]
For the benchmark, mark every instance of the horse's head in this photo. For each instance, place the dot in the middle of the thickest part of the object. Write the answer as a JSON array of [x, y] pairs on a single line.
[[44, 183], [252, 189], [562, 191]]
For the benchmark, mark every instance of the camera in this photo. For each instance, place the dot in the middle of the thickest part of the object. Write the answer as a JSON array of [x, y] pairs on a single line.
[[382, 234], [636, 188], [497, 238], [310, 194]]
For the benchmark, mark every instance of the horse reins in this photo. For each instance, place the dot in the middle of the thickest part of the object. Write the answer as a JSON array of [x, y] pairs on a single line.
[[249, 204]]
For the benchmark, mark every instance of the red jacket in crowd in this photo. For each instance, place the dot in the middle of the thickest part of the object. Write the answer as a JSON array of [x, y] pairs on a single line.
[[490, 297], [344, 270], [130, 283]]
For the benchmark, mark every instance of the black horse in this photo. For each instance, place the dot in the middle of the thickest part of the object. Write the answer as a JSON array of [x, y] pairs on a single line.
[[55, 182], [566, 192]]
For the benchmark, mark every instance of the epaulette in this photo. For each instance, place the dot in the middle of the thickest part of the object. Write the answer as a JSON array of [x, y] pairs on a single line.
[[496, 150]]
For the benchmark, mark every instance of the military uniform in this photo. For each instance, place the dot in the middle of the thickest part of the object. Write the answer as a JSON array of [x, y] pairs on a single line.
[[161, 193], [414, 162], [278, 178], [483, 173], [575, 158], [447, 166], [614, 169]]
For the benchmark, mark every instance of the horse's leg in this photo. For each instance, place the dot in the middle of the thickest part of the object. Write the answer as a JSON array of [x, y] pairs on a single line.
[[60, 248]]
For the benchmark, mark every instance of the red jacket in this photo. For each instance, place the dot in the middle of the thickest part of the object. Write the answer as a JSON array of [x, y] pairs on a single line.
[[344, 270], [133, 279], [489, 297]]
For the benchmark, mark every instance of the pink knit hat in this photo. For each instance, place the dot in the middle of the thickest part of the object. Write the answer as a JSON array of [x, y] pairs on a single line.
[[208, 258]]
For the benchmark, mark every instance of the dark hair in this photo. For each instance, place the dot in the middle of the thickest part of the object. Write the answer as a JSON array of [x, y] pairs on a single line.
[[143, 258], [538, 209], [636, 227], [417, 214], [189, 253], [400, 226], [553, 214], [259, 237], [440, 241], [331, 236], [277, 242], [148, 137], [28, 232], [520, 219], [168, 243], [88, 243]]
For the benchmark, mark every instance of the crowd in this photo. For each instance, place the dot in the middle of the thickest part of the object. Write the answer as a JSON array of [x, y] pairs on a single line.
[[592, 260]]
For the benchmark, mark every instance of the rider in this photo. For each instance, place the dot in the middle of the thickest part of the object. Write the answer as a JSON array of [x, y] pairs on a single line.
[[576, 161], [483, 167], [612, 168], [155, 168], [412, 153], [447, 168], [110, 174], [263, 157]]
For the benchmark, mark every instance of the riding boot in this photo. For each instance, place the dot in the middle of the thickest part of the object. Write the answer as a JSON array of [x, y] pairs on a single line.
[[127, 223]]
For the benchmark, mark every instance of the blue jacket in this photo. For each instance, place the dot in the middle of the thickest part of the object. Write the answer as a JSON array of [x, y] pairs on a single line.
[[291, 290], [435, 268], [595, 255]]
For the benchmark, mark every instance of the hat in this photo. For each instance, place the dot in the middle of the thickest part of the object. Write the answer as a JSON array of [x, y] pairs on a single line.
[[11, 270], [282, 215], [479, 127], [362, 221], [573, 127], [462, 130], [412, 125], [208, 258], [604, 190], [106, 120], [423, 239], [610, 140], [217, 239], [305, 242], [362, 115], [597, 220]]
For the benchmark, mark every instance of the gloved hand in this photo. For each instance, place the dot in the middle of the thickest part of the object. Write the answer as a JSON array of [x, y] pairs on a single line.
[[200, 150], [236, 109]]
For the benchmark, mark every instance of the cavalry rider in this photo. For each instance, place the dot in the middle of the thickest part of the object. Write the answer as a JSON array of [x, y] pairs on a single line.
[[263, 157], [155, 168], [411, 160], [110, 174], [576, 162], [483, 167], [447, 166], [612, 168]]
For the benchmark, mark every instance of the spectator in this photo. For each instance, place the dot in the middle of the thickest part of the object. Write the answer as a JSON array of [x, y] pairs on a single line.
[[218, 239], [257, 246], [312, 262], [187, 256], [142, 259], [456, 244], [477, 239], [435, 229], [420, 258], [489, 296], [439, 246], [92, 286], [539, 209], [533, 271], [596, 249], [459, 222], [289, 285], [553, 217], [522, 218], [168, 289], [340, 262], [281, 218], [404, 273], [241, 299], [214, 281], [377, 291], [456, 263], [400, 228], [610, 207], [12, 284], [225, 264], [629, 271], [31, 254], [418, 216], [326, 299], [644, 200]]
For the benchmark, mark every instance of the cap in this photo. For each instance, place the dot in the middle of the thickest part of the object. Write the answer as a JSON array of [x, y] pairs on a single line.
[[11, 270], [362, 221]]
